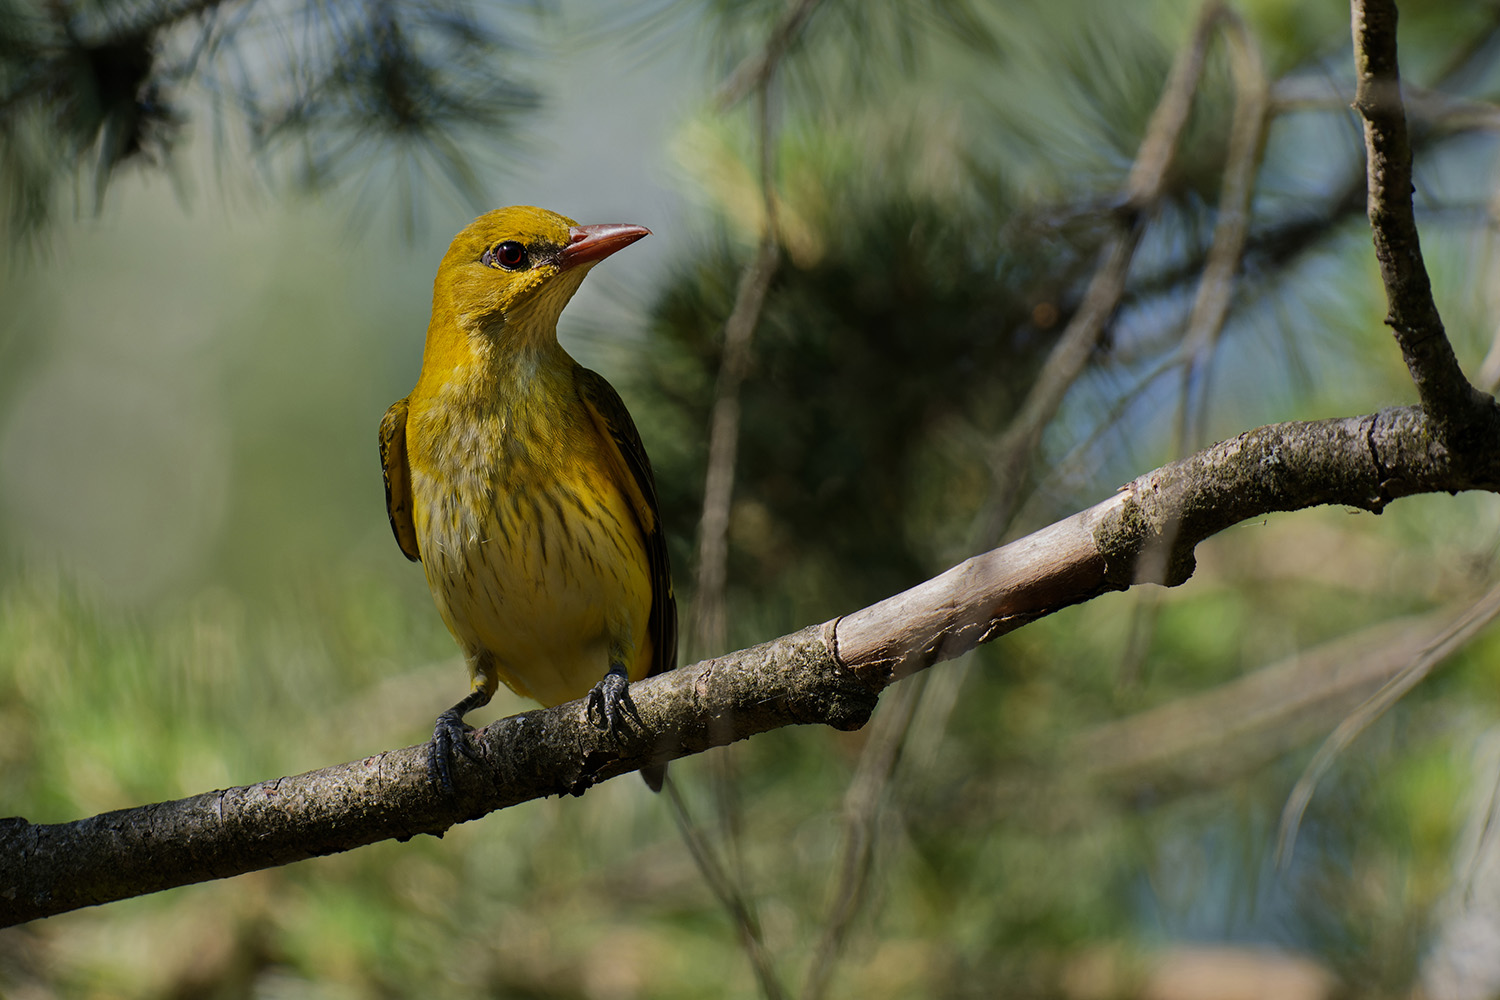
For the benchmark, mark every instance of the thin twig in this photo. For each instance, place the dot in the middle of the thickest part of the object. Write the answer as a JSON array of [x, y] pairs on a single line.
[[709, 611], [1458, 635], [1247, 134], [862, 803], [1460, 955], [728, 894], [1207, 738], [1482, 842], [756, 70], [708, 615], [1012, 453], [1076, 462]]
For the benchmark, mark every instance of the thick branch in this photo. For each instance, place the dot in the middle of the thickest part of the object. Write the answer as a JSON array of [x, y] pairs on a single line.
[[1148, 531], [830, 674], [47, 869], [1455, 405]]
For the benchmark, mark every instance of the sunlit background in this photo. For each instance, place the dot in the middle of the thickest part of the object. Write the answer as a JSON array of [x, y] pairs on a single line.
[[199, 588]]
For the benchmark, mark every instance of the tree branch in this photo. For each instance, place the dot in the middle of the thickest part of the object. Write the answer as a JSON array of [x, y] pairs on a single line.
[[708, 614], [830, 674], [1247, 136], [1204, 739], [862, 805], [727, 892], [1458, 635], [756, 70], [46, 869], [1458, 409]]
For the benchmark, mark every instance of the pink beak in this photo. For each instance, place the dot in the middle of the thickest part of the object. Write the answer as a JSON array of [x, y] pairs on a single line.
[[587, 244]]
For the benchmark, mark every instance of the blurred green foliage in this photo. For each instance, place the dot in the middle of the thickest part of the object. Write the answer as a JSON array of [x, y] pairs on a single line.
[[410, 93], [199, 588]]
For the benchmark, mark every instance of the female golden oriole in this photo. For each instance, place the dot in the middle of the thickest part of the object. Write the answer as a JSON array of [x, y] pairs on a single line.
[[518, 479]]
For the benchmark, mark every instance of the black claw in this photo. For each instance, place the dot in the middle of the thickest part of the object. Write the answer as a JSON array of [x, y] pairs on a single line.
[[610, 700], [450, 734]]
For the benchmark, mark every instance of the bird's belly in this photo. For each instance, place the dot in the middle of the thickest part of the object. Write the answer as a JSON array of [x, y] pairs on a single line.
[[546, 583]]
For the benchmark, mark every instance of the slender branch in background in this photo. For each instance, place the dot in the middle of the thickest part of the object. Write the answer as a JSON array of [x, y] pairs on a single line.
[[1148, 174], [1011, 456], [1458, 409], [729, 896], [756, 71], [1435, 110], [1144, 617], [1458, 635], [1012, 453], [708, 614], [1205, 739], [862, 807], [1247, 136], [1078, 461]]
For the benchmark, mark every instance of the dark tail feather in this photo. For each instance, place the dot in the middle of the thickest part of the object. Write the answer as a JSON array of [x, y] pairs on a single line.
[[654, 774]]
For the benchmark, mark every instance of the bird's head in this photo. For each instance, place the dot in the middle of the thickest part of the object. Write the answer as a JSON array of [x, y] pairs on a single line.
[[509, 273]]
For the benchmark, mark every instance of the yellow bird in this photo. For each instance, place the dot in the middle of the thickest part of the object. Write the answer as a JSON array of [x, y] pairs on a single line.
[[518, 479]]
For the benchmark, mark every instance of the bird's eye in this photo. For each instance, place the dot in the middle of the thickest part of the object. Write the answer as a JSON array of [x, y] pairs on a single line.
[[510, 255]]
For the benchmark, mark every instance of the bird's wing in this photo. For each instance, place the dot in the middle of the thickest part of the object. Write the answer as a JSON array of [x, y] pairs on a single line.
[[613, 420], [398, 478]]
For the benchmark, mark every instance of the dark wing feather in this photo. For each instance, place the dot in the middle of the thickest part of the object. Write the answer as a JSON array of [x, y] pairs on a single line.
[[398, 478], [614, 420]]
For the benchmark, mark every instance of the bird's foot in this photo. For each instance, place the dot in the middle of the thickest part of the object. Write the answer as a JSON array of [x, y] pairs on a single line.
[[610, 700], [449, 735]]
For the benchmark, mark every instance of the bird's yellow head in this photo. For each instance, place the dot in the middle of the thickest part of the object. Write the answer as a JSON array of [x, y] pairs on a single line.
[[507, 276]]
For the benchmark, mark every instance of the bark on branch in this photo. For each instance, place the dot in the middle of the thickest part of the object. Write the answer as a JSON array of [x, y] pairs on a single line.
[[1464, 416], [830, 674]]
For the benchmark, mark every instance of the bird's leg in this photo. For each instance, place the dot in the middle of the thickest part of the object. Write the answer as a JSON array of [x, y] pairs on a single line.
[[451, 734], [610, 698]]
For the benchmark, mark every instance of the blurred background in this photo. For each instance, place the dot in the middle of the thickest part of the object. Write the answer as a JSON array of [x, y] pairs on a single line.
[[222, 220]]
